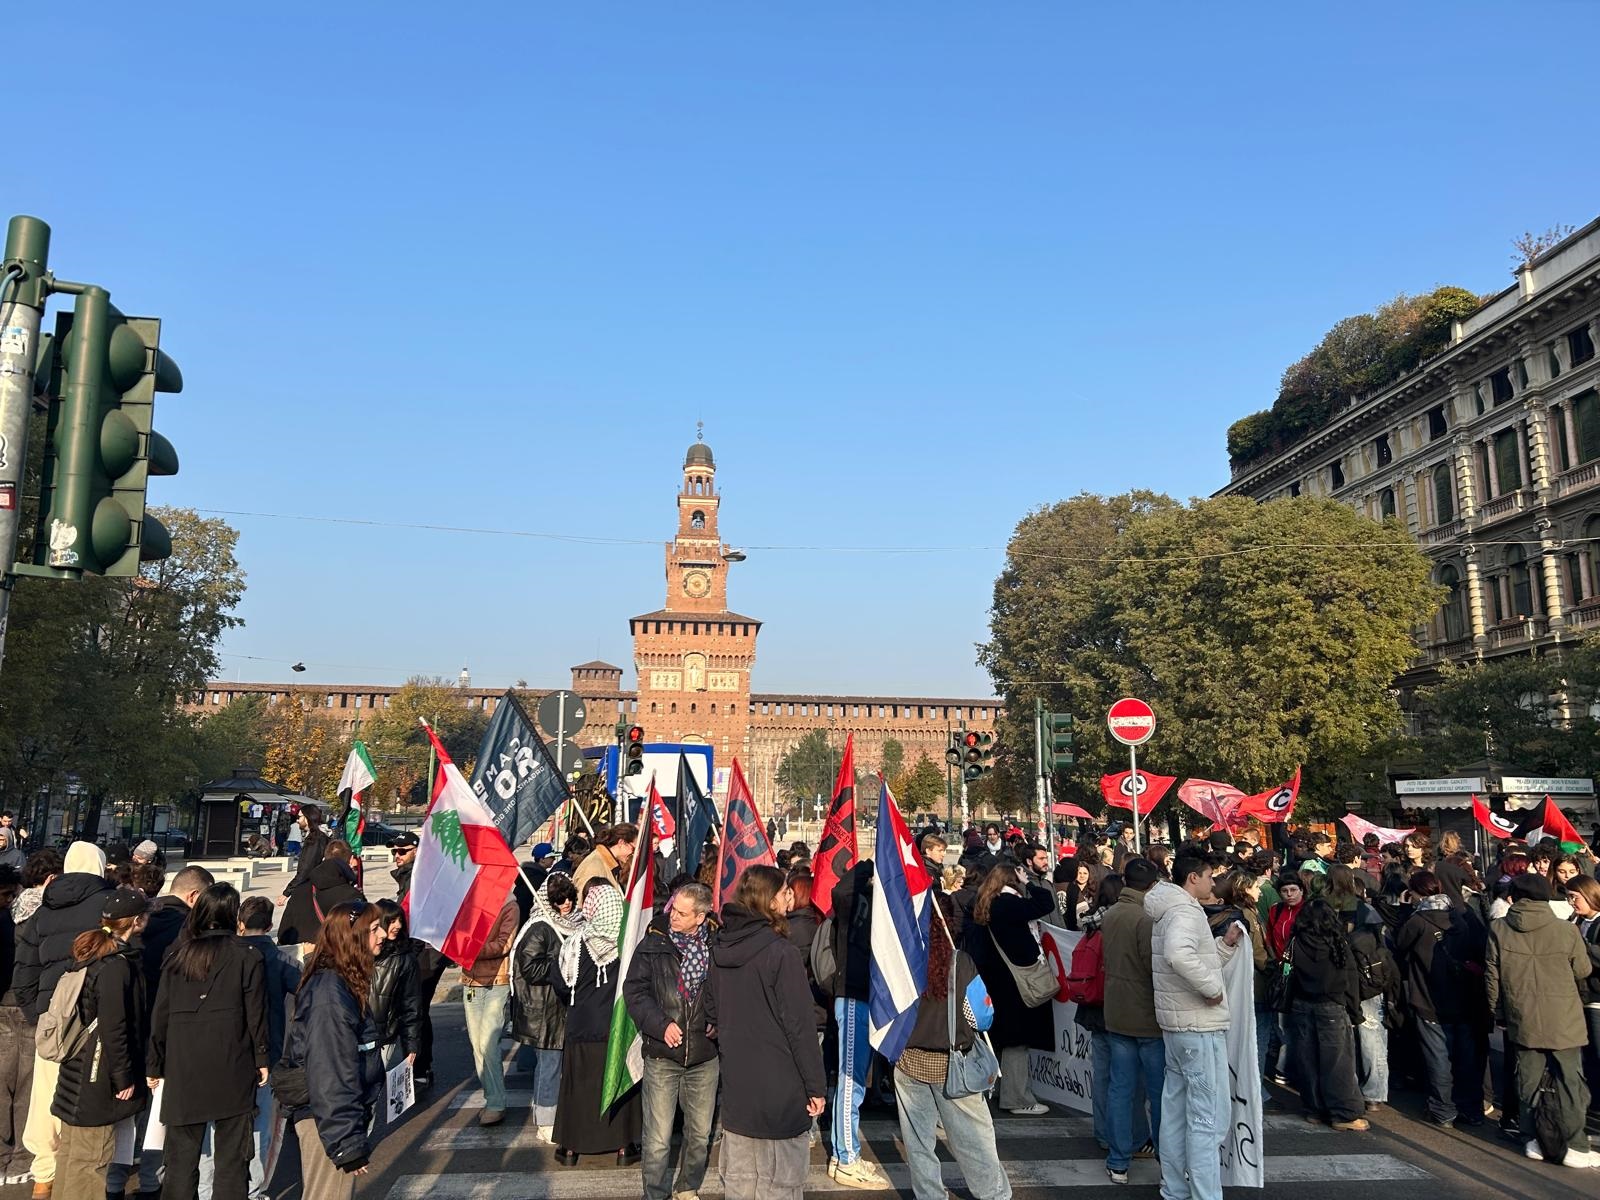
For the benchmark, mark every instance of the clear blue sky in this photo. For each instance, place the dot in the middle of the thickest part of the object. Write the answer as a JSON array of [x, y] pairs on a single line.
[[919, 267]]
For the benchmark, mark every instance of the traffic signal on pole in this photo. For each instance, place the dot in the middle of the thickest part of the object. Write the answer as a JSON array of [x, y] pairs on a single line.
[[956, 754], [1057, 749], [978, 754], [101, 446], [633, 750]]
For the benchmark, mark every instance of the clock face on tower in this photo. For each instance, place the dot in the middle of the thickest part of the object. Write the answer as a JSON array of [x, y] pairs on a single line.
[[696, 584]]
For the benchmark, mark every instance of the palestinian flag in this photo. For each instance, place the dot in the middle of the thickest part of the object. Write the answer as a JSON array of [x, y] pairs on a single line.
[[837, 854], [464, 869], [357, 778], [624, 1050], [1548, 822]]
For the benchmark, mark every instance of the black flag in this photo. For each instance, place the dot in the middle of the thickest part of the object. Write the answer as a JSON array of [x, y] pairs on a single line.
[[515, 774], [696, 816]]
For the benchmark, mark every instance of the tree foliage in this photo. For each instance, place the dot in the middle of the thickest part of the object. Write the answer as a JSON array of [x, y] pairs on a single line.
[[1530, 245], [399, 745], [305, 748], [920, 789], [809, 769], [1266, 636]]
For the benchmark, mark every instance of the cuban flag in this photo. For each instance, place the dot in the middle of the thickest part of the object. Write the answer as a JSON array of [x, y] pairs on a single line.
[[900, 914]]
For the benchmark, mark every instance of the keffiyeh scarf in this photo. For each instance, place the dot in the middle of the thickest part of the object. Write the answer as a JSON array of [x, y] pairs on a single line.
[[695, 949], [598, 931]]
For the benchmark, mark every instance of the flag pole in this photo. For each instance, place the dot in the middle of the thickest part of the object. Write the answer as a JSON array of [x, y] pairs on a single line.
[[1133, 778]]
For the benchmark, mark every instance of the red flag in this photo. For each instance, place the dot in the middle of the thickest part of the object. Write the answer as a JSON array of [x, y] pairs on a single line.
[[1118, 789], [1218, 803], [660, 814], [1495, 826], [836, 854], [744, 841], [1062, 808], [1276, 805]]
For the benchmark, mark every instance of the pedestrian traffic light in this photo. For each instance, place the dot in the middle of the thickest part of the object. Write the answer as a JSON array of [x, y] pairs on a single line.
[[978, 755], [100, 444], [956, 754], [633, 750], [1056, 748]]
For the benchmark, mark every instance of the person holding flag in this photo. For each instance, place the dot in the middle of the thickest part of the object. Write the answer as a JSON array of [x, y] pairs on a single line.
[[356, 778]]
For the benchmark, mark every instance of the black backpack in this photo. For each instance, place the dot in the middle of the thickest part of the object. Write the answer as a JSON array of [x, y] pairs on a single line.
[[1547, 1128]]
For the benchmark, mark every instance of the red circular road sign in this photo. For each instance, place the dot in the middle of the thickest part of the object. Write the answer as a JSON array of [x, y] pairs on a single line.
[[1131, 721]]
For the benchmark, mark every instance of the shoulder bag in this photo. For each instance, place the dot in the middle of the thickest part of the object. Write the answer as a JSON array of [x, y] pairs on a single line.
[[1036, 983]]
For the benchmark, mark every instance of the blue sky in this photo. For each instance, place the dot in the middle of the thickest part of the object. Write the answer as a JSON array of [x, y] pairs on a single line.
[[919, 267]]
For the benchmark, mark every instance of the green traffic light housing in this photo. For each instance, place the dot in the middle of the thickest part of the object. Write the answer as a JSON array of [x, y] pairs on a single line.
[[955, 754], [1057, 749], [979, 754], [101, 447]]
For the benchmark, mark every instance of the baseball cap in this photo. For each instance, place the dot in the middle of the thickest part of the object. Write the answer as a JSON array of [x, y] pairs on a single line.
[[405, 841], [122, 902], [542, 851]]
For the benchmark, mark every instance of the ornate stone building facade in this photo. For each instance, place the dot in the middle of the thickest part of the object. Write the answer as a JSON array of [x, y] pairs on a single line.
[[1489, 453], [694, 659]]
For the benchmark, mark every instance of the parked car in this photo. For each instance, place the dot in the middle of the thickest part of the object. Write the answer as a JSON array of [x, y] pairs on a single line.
[[379, 834]]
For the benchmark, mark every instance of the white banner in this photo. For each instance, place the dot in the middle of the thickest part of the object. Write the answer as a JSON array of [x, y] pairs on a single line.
[[1064, 1074]]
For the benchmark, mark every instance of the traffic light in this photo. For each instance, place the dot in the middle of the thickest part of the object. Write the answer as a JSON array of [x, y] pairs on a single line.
[[100, 443], [956, 754], [978, 753], [1056, 750], [633, 750]]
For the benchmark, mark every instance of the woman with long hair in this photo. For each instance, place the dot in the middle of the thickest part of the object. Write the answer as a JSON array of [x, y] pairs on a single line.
[[330, 883], [1325, 1006], [804, 920], [104, 1081], [1004, 932], [396, 988], [587, 982], [538, 1015], [298, 926], [772, 1076], [613, 851], [1241, 891], [334, 1040], [208, 1039], [1092, 1019]]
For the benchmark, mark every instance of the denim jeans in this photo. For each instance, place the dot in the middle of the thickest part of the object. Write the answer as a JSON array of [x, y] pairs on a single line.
[[486, 1021], [968, 1131], [16, 1078], [1195, 1114], [261, 1140], [855, 1060], [151, 1171], [546, 1074], [1372, 1051], [1266, 1036], [1100, 1085], [1134, 1061], [1453, 1056], [667, 1088], [1325, 1060]]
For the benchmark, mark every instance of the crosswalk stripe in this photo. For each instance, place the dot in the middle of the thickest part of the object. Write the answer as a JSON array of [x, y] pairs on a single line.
[[1033, 1173]]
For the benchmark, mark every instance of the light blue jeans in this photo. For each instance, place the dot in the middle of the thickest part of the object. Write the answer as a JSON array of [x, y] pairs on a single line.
[[546, 1074], [968, 1131], [1372, 1052], [486, 1021], [1195, 1102], [855, 1060], [1135, 1061]]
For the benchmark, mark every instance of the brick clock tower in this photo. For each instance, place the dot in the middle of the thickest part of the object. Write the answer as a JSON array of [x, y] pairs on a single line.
[[693, 656]]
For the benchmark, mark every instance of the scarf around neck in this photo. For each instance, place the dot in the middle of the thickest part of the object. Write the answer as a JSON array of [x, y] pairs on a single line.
[[600, 926], [695, 949]]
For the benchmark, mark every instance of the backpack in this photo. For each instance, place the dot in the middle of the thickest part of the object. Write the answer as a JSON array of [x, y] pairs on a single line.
[[824, 960], [1086, 975], [61, 1031], [1548, 1130], [1374, 974]]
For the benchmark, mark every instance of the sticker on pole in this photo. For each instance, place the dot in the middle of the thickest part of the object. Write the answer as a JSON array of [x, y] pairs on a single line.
[[1131, 721]]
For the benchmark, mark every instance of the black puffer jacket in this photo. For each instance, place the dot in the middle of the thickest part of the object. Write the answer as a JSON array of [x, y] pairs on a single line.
[[538, 1016], [337, 1044], [112, 1057], [396, 996], [70, 906], [771, 1062], [655, 999], [1440, 959], [208, 1037]]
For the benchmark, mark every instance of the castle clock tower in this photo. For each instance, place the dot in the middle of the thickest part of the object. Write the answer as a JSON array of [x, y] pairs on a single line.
[[693, 656]]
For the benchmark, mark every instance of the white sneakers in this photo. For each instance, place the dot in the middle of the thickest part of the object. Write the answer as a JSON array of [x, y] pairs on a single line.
[[1574, 1158], [859, 1174], [543, 1134], [1033, 1110]]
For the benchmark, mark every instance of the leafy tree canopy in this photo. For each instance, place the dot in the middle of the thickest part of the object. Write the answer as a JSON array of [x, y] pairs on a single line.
[[399, 745], [810, 768]]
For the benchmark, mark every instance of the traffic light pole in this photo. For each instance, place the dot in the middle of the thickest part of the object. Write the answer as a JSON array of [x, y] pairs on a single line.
[[1045, 823], [22, 296]]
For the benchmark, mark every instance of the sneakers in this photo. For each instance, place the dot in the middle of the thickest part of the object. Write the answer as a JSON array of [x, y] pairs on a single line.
[[1574, 1158], [1033, 1110], [544, 1135], [685, 1196], [859, 1174], [1148, 1150], [491, 1116], [1117, 1175], [1440, 1122], [1359, 1125]]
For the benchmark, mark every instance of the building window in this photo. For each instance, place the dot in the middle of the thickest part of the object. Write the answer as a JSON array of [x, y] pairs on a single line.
[[1453, 614], [1386, 504], [1527, 591], [1500, 385], [1336, 474], [1507, 460], [1586, 422], [1380, 446], [1444, 495], [1438, 426], [1294, 489], [698, 520], [1580, 346], [216, 699]]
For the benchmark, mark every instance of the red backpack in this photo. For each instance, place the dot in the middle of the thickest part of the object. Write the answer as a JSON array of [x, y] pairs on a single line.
[[1086, 977]]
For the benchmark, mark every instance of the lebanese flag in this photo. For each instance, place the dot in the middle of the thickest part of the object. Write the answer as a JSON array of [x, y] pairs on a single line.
[[1119, 789], [624, 1048], [1274, 806], [1217, 802], [464, 868], [1552, 824], [1494, 824], [1359, 827], [837, 853]]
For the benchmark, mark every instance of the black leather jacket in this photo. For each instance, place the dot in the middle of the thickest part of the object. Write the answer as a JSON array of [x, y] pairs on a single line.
[[395, 996], [538, 1016], [655, 1000]]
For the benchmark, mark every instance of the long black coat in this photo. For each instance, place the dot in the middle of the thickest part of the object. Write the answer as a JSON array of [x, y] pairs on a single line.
[[538, 1015], [112, 1057], [1014, 1023], [208, 1037], [69, 906], [300, 915]]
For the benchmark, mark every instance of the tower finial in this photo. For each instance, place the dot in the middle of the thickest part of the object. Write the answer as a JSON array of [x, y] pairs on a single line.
[[699, 431]]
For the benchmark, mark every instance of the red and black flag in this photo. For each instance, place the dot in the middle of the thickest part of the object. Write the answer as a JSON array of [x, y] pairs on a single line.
[[744, 842], [836, 856]]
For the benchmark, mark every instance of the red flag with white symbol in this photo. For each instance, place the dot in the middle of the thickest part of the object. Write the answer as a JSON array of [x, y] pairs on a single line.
[[1119, 789], [1275, 805]]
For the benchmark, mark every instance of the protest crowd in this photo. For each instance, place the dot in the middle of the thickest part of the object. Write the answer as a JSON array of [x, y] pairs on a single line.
[[672, 975]]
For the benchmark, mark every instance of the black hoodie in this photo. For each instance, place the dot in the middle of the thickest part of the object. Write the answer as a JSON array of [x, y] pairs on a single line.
[[771, 1063], [70, 906], [1324, 971]]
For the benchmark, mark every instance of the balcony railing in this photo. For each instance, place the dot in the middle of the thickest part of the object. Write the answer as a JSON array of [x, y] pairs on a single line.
[[1579, 479], [1440, 534], [1585, 616], [1502, 507], [1522, 629], [1445, 651]]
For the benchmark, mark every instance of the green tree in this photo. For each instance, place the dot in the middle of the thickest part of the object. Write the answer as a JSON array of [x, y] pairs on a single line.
[[399, 745], [892, 758], [1266, 636], [233, 736], [921, 789], [305, 748], [809, 769]]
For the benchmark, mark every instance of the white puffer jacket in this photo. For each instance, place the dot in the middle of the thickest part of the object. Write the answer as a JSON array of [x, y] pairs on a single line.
[[1186, 962]]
